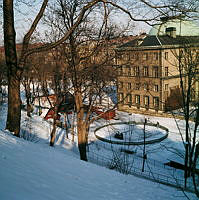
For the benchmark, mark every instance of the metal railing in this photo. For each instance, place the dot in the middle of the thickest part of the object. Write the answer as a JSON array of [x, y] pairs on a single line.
[[170, 178]]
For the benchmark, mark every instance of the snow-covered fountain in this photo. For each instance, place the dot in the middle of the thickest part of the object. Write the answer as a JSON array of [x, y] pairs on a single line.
[[131, 133]]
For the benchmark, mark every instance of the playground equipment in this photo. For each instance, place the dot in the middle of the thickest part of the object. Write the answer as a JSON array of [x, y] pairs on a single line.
[[50, 114], [107, 115]]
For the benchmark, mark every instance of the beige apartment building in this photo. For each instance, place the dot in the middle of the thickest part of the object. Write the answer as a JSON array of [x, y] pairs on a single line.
[[148, 67]]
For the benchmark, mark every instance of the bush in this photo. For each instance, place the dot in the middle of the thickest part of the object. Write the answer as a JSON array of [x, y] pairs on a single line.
[[120, 162], [27, 133]]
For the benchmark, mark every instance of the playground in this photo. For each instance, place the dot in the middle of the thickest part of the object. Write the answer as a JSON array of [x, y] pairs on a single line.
[[125, 142]]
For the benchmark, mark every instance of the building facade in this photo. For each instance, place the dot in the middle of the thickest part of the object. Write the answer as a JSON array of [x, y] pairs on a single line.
[[148, 67]]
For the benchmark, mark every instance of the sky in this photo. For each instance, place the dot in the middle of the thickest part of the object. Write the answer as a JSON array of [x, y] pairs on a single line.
[[24, 14]]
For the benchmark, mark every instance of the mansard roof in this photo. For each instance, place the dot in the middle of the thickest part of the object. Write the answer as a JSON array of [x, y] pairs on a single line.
[[172, 31], [167, 40], [161, 41]]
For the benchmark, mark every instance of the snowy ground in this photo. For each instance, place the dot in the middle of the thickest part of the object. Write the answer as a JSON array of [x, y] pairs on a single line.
[[33, 170]]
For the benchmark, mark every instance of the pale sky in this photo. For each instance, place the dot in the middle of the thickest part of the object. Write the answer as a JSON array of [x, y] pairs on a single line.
[[24, 15]]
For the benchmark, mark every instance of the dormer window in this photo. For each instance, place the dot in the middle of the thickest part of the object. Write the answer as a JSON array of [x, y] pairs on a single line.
[[171, 32]]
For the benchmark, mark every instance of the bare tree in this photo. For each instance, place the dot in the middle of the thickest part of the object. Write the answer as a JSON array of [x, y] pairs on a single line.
[[188, 72], [60, 88], [15, 65], [85, 57], [14, 68], [81, 71]]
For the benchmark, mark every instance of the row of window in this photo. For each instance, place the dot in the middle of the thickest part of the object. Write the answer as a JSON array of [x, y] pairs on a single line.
[[138, 71], [137, 86], [138, 56], [130, 99]]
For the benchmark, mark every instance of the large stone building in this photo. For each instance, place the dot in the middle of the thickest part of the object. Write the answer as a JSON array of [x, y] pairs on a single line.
[[148, 67]]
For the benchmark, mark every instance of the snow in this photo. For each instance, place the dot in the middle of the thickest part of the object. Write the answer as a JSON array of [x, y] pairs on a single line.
[[34, 170], [132, 133]]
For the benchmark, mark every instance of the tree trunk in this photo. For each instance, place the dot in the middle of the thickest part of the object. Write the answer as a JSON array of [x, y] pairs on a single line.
[[28, 98], [14, 101], [73, 127], [81, 128], [82, 141], [53, 134], [29, 108], [65, 125], [14, 106]]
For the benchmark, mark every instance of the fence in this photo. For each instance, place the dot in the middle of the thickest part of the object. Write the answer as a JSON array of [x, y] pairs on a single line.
[[154, 170], [119, 148], [171, 178]]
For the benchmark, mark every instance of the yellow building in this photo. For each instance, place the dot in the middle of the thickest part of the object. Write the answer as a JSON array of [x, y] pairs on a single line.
[[148, 67]]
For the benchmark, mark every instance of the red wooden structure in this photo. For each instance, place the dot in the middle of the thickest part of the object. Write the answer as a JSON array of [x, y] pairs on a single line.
[[66, 105], [107, 115], [50, 114]]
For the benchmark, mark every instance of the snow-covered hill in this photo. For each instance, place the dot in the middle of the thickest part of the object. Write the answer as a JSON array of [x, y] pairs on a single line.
[[36, 171]]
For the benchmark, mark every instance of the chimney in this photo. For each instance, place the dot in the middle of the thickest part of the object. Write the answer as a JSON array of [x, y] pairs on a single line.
[[171, 32]]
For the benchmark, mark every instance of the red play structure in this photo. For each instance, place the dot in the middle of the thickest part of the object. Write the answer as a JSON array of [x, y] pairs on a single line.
[[50, 114], [66, 105], [107, 115]]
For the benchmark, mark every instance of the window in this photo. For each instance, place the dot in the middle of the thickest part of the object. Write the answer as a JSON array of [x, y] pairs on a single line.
[[146, 100], [129, 86], [166, 71], [155, 72], [146, 71], [132, 56], [129, 70], [145, 56], [120, 70], [120, 85], [155, 56], [118, 56], [137, 99], [166, 87], [146, 86], [137, 71], [166, 55], [121, 56], [156, 102], [155, 88], [137, 86], [126, 56], [129, 98], [121, 97]]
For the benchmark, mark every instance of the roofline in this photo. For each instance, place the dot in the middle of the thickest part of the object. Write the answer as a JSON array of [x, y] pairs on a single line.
[[158, 47]]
